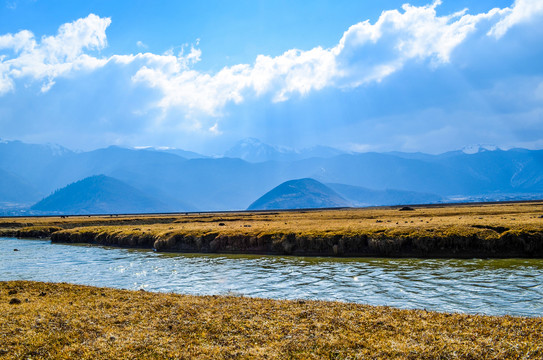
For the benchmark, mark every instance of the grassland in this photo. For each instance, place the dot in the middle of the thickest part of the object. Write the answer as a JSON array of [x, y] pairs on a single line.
[[61, 321], [479, 230]]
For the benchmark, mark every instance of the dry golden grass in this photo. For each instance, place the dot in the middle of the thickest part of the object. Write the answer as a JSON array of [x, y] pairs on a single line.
[[508, 229], [513, 215], [64, 321]]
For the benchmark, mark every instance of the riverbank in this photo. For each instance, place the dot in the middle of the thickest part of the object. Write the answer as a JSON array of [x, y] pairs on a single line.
[[461, 231], [45, 320]]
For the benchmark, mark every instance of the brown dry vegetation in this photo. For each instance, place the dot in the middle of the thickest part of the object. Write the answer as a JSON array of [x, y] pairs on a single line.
[[491, 230], [64, 321]]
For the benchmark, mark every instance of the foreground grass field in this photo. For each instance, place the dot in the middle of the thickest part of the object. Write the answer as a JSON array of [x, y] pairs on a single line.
[[43, 320], [487, 230]]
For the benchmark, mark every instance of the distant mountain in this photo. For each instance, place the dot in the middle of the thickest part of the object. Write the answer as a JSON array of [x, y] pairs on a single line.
[[179, 152], [142, 169], [99, 194], [14, 189], [207, 184], [24, 159], [319, 152], [253, 150], [360, 196], [474, 149], [488, 172], [184, 153], [299, 194]]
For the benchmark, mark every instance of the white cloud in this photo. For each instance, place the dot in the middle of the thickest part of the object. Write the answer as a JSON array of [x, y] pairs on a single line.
[[52, 56], [366, 53], [293, 72], [215, 129], [370, 52], [192, 57], [522, 11]]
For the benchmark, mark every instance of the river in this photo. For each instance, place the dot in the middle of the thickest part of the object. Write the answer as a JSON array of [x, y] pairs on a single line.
[[475, 286]]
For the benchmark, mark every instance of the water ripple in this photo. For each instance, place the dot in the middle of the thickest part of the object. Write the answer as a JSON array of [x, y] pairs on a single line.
[[495, 287]]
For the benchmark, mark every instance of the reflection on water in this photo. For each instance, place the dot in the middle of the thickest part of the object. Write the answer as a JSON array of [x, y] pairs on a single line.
[[496, 287]]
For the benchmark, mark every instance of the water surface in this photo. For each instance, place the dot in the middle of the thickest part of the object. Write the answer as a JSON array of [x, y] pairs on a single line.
[[494, 287]]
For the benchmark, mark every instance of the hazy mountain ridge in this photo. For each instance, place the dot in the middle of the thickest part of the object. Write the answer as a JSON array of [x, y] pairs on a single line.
[[30, 161], [14, 189], [359, 196], [98, 194], [233, 184], [253, 150], [179, 152]]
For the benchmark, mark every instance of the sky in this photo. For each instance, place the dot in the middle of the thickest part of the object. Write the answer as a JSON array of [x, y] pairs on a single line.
[[357, 75]]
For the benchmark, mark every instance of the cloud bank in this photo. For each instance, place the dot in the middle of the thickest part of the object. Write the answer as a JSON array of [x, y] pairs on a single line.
[[367, 53]]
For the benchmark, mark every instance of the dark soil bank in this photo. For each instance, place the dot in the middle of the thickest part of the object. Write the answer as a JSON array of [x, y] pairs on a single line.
[[528, 244]]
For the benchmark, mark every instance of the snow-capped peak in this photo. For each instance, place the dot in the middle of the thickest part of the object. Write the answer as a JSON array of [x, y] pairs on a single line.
[[474, 149]]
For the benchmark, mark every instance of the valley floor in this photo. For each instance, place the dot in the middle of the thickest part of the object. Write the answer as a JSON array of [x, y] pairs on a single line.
[[61, 321], [463, 231]]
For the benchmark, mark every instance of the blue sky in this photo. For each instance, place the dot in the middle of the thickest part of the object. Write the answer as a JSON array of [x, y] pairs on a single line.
[[357, 75]]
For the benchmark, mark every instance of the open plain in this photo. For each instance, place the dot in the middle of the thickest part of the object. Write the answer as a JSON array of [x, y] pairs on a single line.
[[463, 231]]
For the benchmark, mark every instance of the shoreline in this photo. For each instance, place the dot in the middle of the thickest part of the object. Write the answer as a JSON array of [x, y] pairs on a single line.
[[513, 245], [504, 230], [73, 321]]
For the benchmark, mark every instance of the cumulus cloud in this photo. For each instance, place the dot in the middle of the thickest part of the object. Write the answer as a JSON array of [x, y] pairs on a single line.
[[522, 11], [50, 57], [6, 83], [370, 52], [293, 72], [366, 53]]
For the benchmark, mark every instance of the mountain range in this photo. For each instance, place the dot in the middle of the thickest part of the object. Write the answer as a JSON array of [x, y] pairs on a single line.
[[194, 182], [309, 193], [253, 150]]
